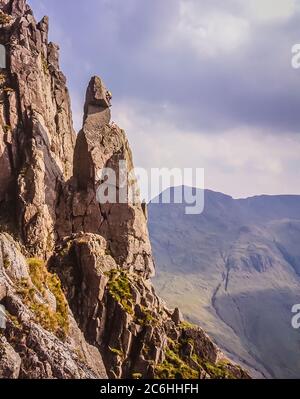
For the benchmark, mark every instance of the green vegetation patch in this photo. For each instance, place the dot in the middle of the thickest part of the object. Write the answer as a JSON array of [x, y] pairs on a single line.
[[117, 352], [185, 325], [14, 320], [45, 65], [179, 366], [147, 318], [174, 367], [38, 273], [2, 78], [4, 18], [119, 288], [6, 262], [218, 370], [53, 321]]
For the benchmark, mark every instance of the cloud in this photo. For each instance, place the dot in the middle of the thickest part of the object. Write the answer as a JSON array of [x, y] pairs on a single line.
[[204, 82], [270, 10], [238, 162], [207, 32], [212, 63]]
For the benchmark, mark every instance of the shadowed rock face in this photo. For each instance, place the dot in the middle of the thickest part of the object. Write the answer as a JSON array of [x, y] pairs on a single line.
[[102, 145], [100, 304]]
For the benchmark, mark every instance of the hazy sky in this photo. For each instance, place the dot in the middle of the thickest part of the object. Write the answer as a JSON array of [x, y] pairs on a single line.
[[196, 83]]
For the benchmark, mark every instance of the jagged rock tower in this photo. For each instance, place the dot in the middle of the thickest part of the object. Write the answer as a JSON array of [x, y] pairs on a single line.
[[36, 134], [75, 285]]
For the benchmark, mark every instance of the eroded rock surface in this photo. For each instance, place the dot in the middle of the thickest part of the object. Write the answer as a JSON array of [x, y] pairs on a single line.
[[101, 145], [36, 133], [41, 338], [120, 313]]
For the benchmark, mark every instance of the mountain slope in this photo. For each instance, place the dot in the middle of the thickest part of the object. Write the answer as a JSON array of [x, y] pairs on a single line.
[[234, 270]]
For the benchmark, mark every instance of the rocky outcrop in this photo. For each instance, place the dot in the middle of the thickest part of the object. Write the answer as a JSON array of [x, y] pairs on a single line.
[[101, 145], [75, 279], [41, 338], [120, 314], [36, 133], [10, 363]]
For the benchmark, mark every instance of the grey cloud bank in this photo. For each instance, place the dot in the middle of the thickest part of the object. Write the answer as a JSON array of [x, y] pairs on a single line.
[[193, 73]]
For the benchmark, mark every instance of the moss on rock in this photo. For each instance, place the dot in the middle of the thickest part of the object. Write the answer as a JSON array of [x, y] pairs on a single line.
[[53, 321], [4, 18], [119, 288], [182, 362]]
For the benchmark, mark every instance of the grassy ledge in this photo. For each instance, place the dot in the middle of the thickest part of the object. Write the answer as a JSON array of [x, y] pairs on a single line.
[[119, 288], [57, 321]]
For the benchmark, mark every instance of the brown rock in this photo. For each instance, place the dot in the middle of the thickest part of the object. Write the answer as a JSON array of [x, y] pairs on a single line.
[[101, 145], [36, 134], [28, 350], [120, 314], [177, 316], [10, 361]]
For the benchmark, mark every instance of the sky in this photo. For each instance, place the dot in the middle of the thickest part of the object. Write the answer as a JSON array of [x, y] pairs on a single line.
[[195, 83]]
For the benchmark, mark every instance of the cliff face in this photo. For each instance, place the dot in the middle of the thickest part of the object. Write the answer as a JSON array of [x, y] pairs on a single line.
[[102, 145], [36, 134], [74, 273]]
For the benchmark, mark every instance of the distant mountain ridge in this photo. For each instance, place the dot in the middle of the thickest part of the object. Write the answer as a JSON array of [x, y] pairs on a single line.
[[235, 270]]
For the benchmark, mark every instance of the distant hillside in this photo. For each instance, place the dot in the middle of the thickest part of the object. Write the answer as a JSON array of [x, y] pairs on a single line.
[[235, 270]]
